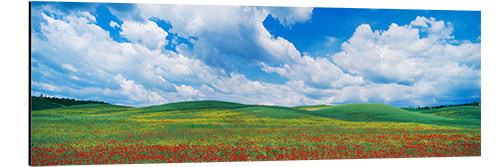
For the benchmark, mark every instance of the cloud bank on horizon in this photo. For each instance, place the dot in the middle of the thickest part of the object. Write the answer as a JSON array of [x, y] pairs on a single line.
[[145, 54]]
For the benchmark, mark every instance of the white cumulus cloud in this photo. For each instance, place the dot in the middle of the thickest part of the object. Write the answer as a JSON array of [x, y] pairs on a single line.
[[114, 24], [395, 66], [147, 33], [137, 92], [289, 16], [188, 91], [316, 71], [429, 67]]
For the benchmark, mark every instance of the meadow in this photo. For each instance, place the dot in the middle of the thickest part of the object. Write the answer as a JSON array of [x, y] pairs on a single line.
[[214, 131]]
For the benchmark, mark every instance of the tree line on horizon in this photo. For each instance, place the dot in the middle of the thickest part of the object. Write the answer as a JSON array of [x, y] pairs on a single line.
[[46, 102], [476, 103], [69, 101]]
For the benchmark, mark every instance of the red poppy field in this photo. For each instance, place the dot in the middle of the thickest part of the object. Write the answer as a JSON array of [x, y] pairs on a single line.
[[173, 133]]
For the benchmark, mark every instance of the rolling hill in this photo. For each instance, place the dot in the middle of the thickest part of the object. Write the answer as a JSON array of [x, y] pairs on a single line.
[[39, 103], [374, 112], [220, 110], [193, 105], [42, 103], [456, 112]]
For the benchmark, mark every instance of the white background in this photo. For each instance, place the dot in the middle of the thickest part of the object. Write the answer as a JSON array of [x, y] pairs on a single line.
[[14, 92]]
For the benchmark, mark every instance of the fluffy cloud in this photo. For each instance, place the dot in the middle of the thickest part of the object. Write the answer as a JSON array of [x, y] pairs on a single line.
[[114, 24], [188, 91], [133, 73], [147, 33], [137, 92], [433, 65], [238, 87], [87, 15], [238, 37], [289, 16], [235, 34], [434, 28], [400, 55], [316, 71], [85, 51], [416, 64]]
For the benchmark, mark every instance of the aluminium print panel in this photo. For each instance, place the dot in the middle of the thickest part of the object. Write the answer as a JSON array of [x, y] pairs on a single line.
[[116, 83]]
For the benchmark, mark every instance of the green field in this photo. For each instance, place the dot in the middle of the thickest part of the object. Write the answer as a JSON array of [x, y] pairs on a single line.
[[204, 131]]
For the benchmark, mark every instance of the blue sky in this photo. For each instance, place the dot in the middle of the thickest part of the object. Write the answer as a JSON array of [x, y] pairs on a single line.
[[145, 54]]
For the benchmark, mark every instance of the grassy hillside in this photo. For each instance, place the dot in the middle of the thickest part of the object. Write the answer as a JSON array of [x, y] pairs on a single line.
[[373, 112], [235, 113], [38, 103], [222, 131], [273, 112], [456, 112], [42, 103], [313, 107], [194, 105], [88, 111]]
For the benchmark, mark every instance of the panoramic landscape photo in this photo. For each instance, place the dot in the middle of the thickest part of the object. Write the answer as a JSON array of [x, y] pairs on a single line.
[[117, 83]]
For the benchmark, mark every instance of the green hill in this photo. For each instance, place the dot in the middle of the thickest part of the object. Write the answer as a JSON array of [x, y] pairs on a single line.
[[373, 112], [274, 112], [313, 107], [42, 103], [194, 105], [456, 112], [84, 111], [458, 116], [39, 103], [248, 111]]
